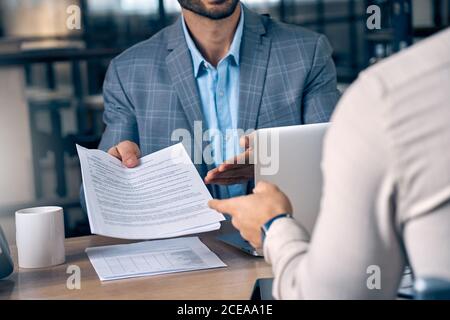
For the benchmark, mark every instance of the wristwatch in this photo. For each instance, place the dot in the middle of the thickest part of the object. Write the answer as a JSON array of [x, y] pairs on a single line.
[[265, 227]]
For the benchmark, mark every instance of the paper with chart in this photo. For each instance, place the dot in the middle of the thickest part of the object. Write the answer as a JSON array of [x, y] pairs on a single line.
[[152, 258], [162, 197]]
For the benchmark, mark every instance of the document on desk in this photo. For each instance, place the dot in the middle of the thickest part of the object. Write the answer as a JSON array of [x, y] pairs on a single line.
[[162, 197], [152, 258]]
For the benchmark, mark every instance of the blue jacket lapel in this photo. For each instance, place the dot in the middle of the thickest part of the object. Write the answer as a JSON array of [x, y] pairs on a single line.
[[179, 64], [255, 50]]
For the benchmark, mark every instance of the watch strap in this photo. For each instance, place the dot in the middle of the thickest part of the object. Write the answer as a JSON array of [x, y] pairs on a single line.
[[265, 227]]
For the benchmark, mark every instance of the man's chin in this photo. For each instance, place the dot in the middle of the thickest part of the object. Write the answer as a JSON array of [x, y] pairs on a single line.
[[218, 15], [212, 9], [217, 2], [220, 11]]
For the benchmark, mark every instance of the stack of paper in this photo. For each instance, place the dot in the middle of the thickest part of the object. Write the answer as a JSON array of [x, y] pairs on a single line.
[[162, 197], [152, 258]]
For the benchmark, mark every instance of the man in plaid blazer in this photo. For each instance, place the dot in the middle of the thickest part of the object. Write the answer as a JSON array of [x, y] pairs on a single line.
[[286, 77]]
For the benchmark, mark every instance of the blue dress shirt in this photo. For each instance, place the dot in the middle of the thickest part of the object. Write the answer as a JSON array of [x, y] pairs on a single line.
[[219, 95]]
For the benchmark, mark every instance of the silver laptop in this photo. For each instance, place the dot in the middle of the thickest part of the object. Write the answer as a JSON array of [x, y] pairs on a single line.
[[289, 157]]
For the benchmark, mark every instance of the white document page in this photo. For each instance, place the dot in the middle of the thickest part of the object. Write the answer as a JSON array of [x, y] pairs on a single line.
[[162, 197], [152, 258]]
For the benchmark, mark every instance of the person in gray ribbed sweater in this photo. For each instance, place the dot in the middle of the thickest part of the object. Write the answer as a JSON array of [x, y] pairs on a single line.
[[386, 195]]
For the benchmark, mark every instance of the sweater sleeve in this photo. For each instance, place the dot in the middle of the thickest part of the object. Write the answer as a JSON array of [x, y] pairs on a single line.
[[355, 251]]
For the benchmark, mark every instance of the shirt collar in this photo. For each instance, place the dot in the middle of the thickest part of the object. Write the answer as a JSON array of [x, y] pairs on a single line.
[[235, 47]]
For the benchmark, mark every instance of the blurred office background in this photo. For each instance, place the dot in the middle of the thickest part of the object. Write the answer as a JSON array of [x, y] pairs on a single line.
[[51, 77]]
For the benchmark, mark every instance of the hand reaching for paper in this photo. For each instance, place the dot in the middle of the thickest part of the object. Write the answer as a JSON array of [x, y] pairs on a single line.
[[236, 170]]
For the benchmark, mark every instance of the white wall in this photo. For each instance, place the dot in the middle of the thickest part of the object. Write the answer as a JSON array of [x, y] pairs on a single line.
[[16, 178], [35, 17], [422, 13]]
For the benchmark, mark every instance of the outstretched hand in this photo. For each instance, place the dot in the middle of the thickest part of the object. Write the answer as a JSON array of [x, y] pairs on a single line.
[[250, 213], [236, 170]]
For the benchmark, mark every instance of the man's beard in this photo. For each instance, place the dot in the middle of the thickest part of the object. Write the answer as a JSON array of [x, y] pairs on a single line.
[[226, 8]]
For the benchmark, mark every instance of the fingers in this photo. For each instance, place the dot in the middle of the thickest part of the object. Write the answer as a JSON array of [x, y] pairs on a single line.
[[211, 175], [246, 141], [257, 244], [241, 162], [218, 205], [228, 206], [227, 181], [233, 174], [236, 162], [115, 153], [239, 170], [128, 152], [264, 186], [242, 158], [253, 238]]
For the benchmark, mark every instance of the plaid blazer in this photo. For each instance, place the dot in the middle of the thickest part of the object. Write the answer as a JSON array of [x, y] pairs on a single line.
[[287, 77]]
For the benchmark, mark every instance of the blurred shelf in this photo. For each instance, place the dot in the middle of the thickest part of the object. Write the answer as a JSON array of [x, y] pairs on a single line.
[[56, 54], [386, 35], [423, 32], [68, 202]]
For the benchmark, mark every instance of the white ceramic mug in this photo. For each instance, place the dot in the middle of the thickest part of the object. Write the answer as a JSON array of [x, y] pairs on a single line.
[[40, 237]]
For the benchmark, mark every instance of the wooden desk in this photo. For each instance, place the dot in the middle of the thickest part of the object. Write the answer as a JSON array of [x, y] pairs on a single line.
[[233, 282]]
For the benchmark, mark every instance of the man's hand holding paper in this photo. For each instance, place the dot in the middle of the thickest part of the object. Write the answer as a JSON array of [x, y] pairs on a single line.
[[162, 197]]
